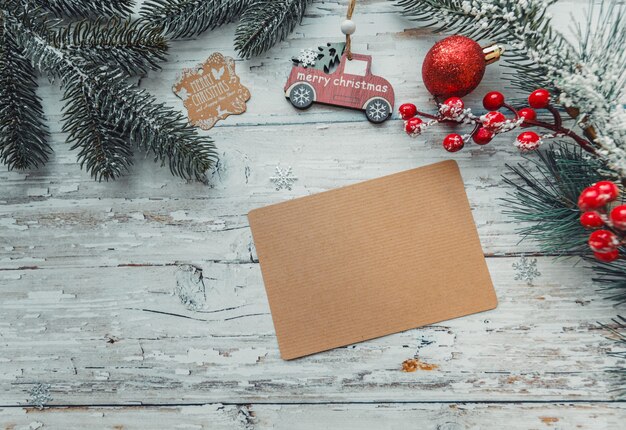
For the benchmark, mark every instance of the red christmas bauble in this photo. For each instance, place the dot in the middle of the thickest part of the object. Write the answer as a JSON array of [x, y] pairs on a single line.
[[618, 217], [591, 219], [607, 256], [454, 66]]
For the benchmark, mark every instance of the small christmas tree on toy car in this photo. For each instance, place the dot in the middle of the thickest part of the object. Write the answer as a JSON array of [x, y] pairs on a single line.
[[326, 57]]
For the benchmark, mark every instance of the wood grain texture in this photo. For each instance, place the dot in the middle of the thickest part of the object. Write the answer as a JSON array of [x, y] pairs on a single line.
[[382, 416], [120, 335], [89, 302]]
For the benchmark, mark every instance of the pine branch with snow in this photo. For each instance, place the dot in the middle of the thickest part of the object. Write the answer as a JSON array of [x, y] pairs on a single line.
[[186, 18], [265, 23], [596, 85], [106, 117], [130, 46], [85, 8], [23, 134]]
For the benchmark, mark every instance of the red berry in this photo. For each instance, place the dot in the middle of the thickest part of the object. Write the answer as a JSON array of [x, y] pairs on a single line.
[[528, 141], [493, 100], [618, 217], [482, 136], [603, 241], [589, 199], [453, 142], [452, 107], [528, 114], [413, 126], [607, 256], [539, 99], [492, 120], [591, 219], [407, 110], [608, 190]]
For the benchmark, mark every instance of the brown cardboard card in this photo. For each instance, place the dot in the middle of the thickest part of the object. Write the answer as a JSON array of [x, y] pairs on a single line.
[[371, 259]]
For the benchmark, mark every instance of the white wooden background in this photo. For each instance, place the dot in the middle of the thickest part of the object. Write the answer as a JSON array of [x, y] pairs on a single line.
[[88, 272]]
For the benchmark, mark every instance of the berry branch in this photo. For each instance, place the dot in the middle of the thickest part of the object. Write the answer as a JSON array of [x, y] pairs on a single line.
[[594, 202], [493, 122]]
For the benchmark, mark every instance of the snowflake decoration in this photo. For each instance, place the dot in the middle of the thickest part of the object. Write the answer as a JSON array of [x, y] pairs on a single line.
[[40, 395], [301, 95], [378, 111], [526, 270], [307, 57], [283, 178]]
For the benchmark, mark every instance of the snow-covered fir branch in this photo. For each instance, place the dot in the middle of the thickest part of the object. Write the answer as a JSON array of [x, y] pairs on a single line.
[[596, 84], [106, 117]]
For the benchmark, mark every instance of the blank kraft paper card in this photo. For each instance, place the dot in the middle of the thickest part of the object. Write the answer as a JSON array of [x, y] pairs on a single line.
[[371, 259]]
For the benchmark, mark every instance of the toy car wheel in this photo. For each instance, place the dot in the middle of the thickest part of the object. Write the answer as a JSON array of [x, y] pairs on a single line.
[[377, 110], [302, 96]]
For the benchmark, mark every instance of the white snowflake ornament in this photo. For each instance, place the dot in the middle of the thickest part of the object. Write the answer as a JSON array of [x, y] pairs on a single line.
[[526, 269], [283, 179], [40, 395], [307, 57]]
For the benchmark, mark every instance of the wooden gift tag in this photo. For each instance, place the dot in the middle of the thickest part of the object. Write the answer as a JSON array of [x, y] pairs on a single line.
[[212, 91]]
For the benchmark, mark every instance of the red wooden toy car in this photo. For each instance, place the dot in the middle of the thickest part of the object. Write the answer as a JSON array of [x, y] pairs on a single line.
[[352, 85]]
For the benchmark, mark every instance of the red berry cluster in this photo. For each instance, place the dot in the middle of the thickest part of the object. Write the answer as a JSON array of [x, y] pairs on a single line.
[[492, 122], [593, 202]]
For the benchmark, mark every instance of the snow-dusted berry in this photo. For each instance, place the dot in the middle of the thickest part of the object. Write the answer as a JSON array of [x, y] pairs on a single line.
[[452, 107], [453, 142], [618, 217], [407, 110], [607, 256], [603, 241], [528, 141], [591, 219], [607, 191], [493, 120], [589, 199], [482, 136], [413, 126], [539, 99], [493, 100]]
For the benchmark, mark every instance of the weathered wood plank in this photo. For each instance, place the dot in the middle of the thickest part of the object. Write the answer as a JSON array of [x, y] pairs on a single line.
[[153, 218], [122, 335], [383, 416], [210, 416]]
